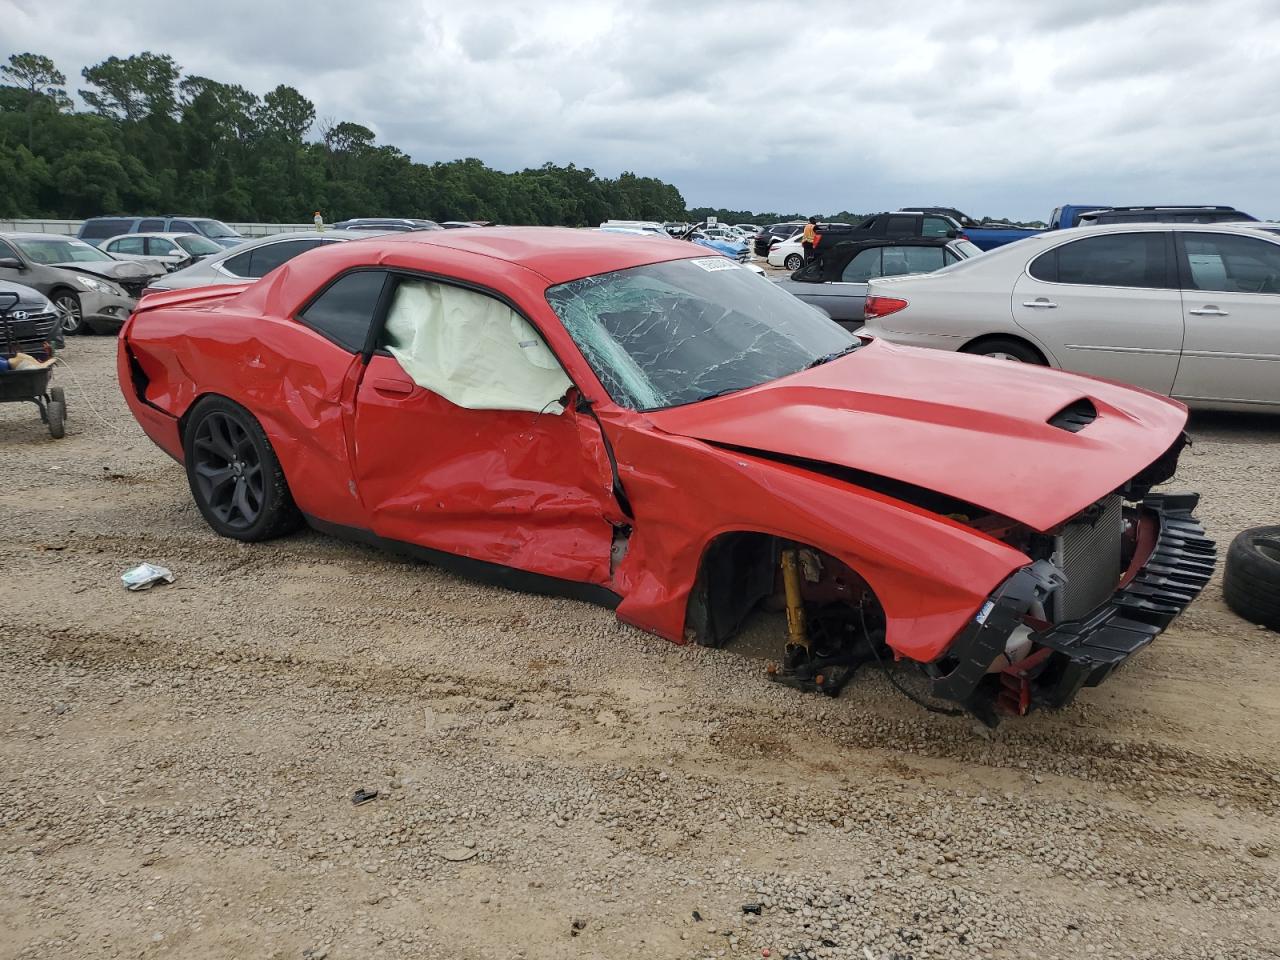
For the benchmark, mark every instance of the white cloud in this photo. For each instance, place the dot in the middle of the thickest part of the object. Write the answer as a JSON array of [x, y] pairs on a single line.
[[995, 106]]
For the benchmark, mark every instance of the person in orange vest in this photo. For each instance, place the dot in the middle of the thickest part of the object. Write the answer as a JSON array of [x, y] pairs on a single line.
[[809, 239]]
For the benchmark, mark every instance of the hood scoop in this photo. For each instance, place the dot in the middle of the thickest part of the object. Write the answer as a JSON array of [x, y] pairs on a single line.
[[1074, 417]]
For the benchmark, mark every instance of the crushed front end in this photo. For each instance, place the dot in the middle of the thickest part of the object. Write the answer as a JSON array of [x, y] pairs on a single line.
[[1100, 587]]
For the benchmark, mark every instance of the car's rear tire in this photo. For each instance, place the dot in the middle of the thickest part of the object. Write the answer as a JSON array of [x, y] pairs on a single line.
[[1251, 577], [235, 477], [793, 262], [68, 301], [1005, 348]]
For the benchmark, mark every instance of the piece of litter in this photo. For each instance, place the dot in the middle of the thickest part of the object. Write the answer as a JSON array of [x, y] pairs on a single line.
[[751, 908], [458, 854], [145, 576], [363, 796]]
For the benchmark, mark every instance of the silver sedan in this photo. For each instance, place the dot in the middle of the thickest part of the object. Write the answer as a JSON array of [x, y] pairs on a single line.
[[253, 259]]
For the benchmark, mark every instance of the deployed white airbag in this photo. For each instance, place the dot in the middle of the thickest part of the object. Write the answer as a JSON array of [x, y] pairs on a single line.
[[471, 349]]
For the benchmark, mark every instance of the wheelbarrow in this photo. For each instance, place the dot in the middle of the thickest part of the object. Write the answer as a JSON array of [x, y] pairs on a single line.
[[29, 386]]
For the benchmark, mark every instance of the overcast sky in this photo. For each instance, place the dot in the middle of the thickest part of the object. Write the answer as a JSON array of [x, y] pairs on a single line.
[[1000, 107]]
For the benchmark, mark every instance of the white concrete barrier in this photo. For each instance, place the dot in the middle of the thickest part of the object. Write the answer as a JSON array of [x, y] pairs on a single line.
[[71, 227]]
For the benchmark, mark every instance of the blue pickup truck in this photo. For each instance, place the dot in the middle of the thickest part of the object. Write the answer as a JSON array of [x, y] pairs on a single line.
[[989, 234]]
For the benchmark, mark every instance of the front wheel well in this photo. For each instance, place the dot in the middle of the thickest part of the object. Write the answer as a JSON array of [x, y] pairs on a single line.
[[739, 574], [978, 343]]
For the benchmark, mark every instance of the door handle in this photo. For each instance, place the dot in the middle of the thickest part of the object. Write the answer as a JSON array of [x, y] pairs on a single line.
[[390, 385], [1042, 302], [1209, 310]]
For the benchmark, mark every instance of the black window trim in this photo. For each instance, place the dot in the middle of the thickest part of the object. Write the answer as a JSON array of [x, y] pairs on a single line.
[[1171, 276]]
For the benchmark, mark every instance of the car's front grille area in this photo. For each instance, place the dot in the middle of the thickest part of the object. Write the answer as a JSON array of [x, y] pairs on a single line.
[[36, 328], [1088, 552], [132, 287], [1075, 416]]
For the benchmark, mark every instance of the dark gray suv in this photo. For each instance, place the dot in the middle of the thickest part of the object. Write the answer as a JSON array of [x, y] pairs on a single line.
[[96, 229]]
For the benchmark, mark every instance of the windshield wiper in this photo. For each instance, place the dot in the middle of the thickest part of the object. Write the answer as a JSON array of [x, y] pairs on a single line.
[[720, 393], [834, 356]]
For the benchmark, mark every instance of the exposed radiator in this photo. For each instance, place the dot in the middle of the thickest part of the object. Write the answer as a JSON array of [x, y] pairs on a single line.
[[1088, 551]]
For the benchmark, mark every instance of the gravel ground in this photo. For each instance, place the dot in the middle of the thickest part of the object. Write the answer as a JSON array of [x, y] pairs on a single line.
[[179, 764]]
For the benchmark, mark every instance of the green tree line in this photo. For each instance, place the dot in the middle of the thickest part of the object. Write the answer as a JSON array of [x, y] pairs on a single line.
[[154, 140]]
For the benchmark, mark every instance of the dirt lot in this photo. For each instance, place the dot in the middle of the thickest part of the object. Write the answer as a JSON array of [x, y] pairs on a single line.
[[178, 765]]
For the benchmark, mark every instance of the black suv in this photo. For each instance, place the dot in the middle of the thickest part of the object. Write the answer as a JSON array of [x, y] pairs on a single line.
[[1164, 215], [96, 229], [910, 223]]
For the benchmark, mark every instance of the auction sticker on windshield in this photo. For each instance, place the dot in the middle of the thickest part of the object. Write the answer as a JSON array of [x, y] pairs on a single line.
[[710, 264]]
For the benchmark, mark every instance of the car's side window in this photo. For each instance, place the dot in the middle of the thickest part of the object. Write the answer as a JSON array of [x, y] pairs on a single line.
[[7, 252], [899, 261], [1111, 260], [239, 265], [151, 226], [160, 247], [1231, 264], [863, 267], [271, 255], [344, 311], [101, 229], [936, 227], [901, 227], [181, 226], [472, 349], [128, 245]]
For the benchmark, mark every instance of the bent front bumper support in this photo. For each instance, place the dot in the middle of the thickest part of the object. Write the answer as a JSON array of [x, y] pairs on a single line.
[[1085, 651]]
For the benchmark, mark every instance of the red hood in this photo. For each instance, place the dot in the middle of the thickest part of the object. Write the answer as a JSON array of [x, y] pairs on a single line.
[[969, 427]]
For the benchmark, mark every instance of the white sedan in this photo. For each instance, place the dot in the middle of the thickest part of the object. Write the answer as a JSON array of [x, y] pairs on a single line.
[[174, 250], [1187, 310], [788, 253]]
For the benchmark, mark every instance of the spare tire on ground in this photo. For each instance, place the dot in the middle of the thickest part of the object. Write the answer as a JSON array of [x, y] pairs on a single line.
[[1251, 580]]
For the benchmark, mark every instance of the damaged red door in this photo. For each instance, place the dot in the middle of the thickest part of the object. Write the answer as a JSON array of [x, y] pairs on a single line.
[[531, 491]]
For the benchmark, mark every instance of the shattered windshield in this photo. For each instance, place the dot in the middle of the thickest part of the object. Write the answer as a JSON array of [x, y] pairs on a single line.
[[672, 333]]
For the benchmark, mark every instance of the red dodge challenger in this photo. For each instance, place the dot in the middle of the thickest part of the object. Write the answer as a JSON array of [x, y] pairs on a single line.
[[632, 422]]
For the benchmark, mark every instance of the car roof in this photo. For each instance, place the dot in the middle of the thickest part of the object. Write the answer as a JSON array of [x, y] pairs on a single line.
[[30, 235], [898, 242], [252, 242], [557, 254], [154, 233], [1246, 227]]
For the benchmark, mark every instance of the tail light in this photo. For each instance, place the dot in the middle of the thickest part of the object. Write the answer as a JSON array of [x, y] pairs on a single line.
[[877, 306]]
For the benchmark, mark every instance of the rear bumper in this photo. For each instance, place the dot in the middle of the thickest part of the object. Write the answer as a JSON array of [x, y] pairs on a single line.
[[1080, 653]]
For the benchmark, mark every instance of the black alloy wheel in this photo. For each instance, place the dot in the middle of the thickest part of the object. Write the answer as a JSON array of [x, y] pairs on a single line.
[[235, 477], [228, 471]]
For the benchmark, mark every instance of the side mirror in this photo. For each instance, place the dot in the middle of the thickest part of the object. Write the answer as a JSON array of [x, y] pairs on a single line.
[[11, 263], [952, 234]]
